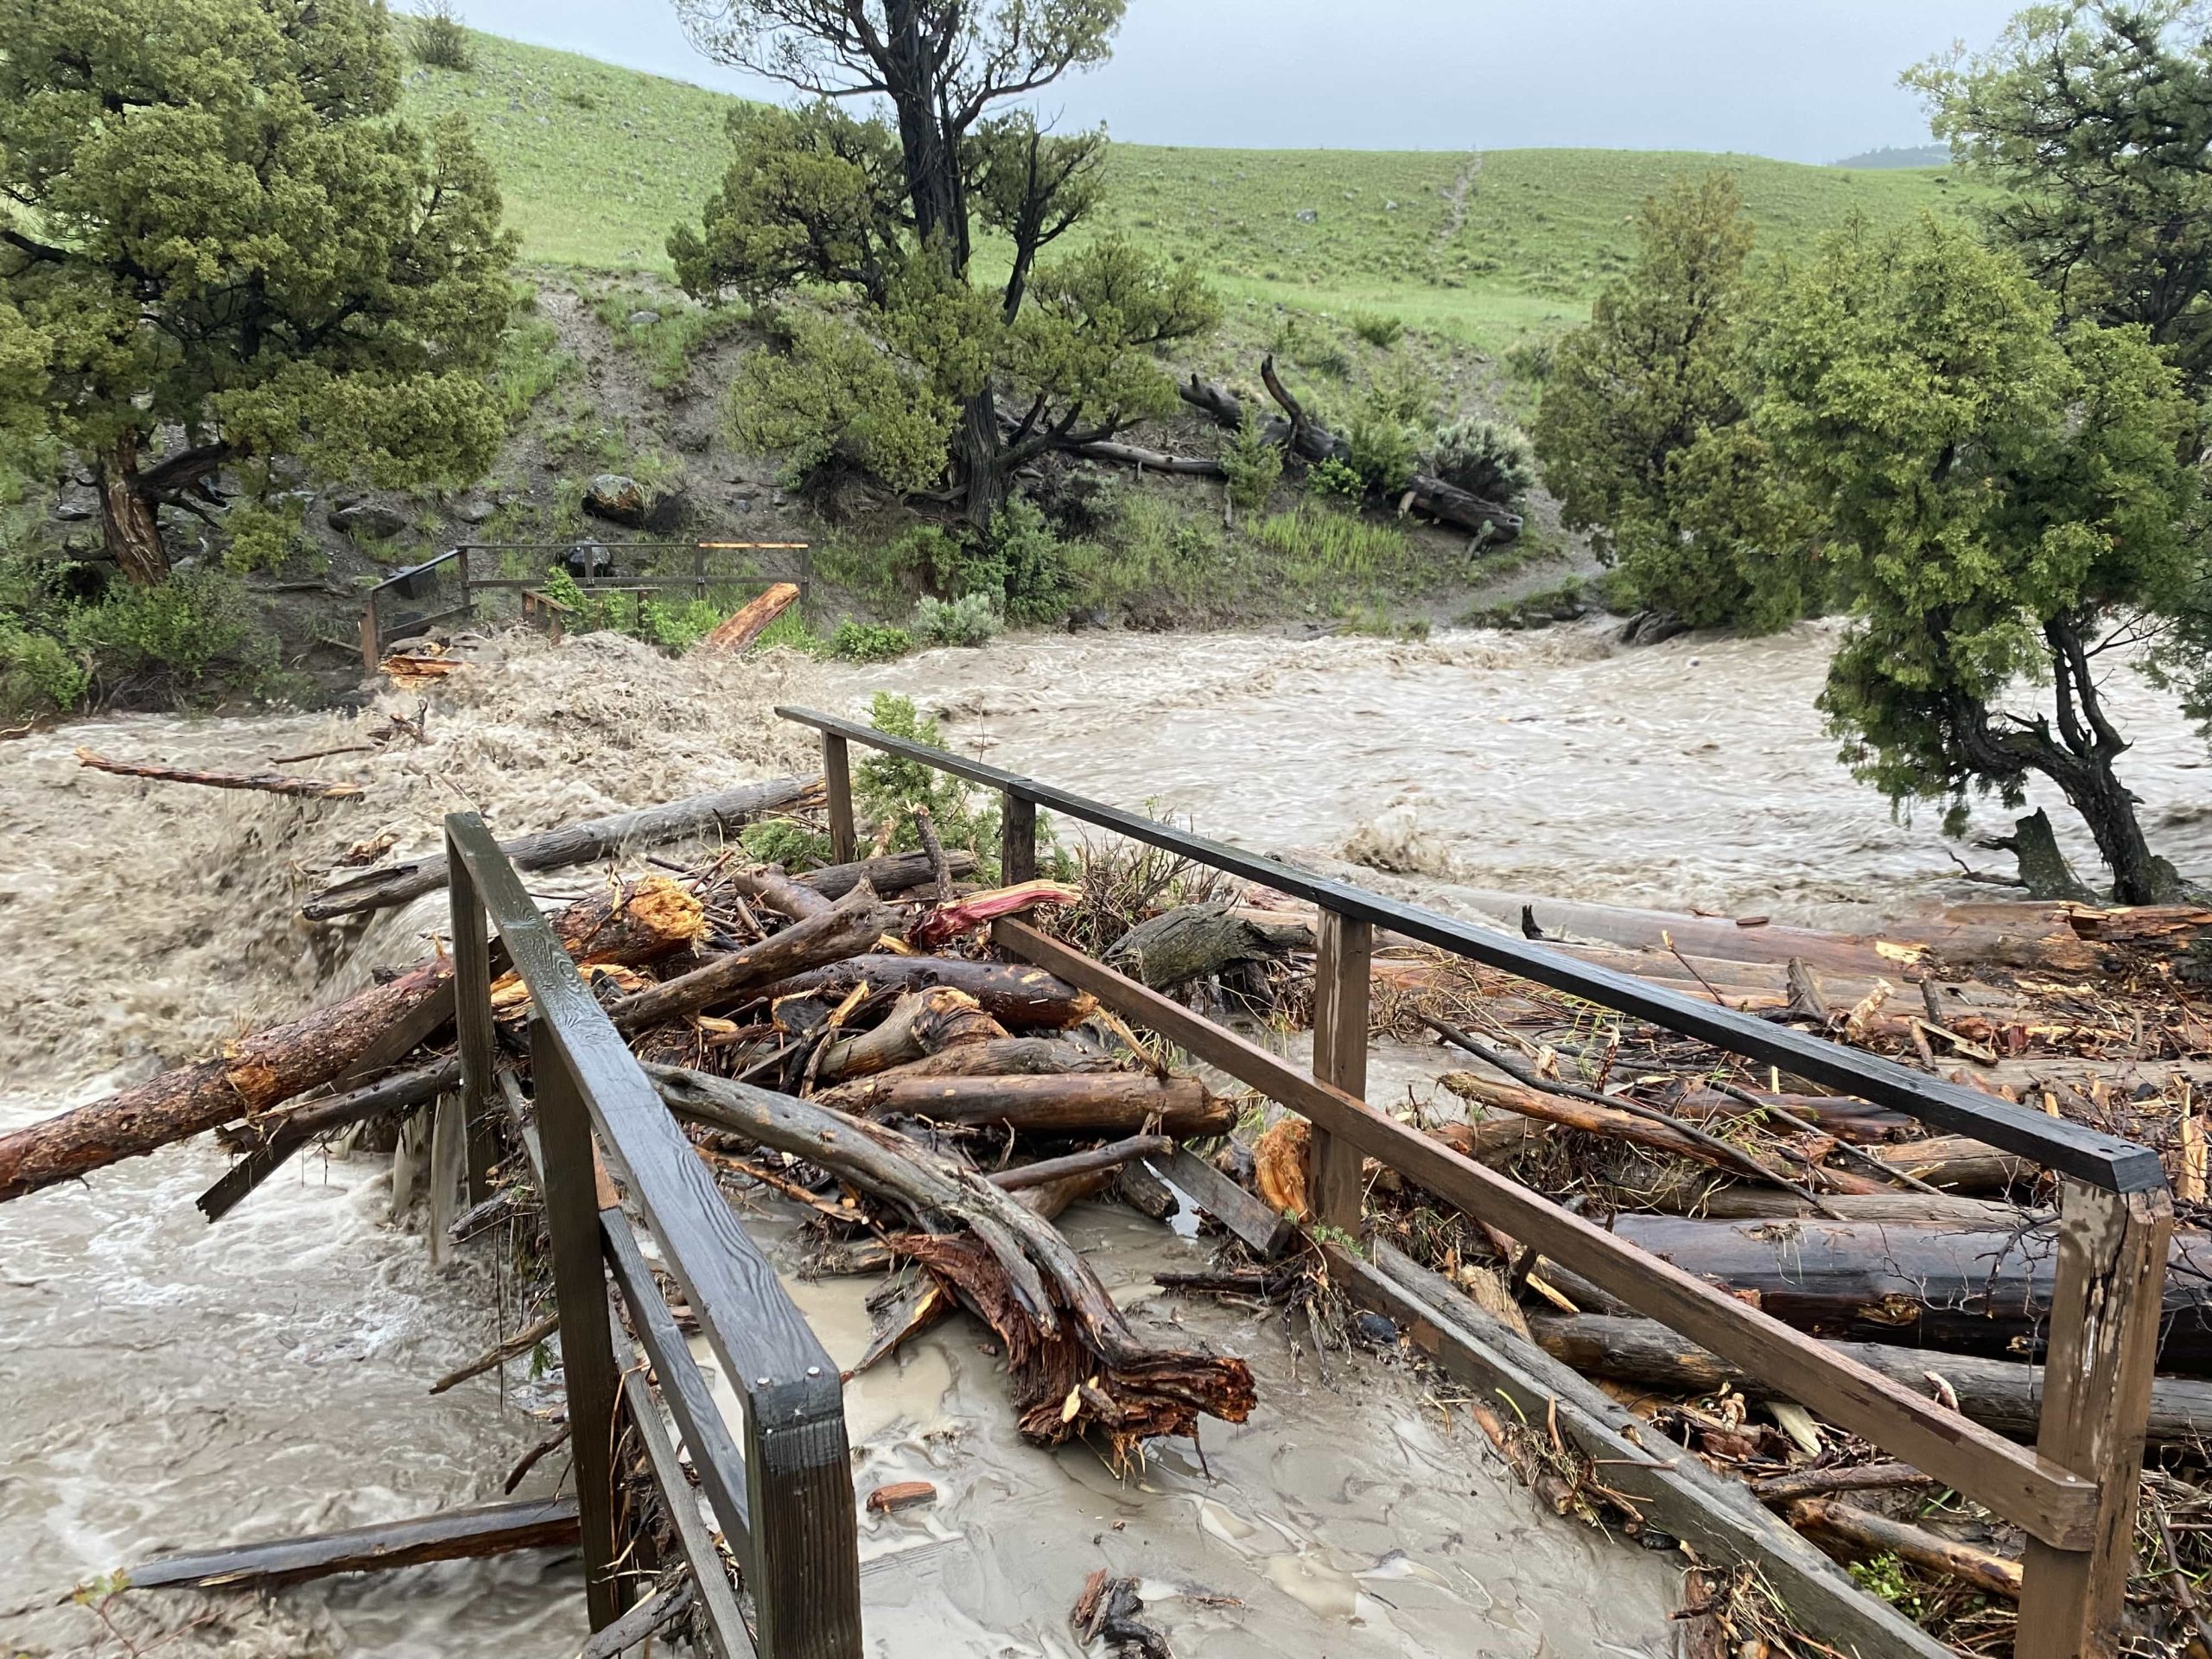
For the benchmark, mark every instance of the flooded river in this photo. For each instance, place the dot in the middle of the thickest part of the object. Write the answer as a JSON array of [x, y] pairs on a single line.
[[174, 1384]]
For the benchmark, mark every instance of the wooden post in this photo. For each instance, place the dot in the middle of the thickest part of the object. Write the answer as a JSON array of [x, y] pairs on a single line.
[[580, 1293], [837, 777], [472, 976], [1017, 839], [372, 642], [2104, 1337], [467, 601], [1333, 1177]]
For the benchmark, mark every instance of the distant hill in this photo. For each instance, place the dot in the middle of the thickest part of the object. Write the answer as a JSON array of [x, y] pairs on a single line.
[[1895, 155], [597, 162]]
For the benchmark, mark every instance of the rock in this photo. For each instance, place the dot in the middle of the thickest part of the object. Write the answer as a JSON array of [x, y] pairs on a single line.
[[1086, 617], [474, 511], [1388, 205], [1652, 627], [76, 509], [587, 559], [643, 318], [904, 1494], [616, 498], [1374, 1328], [1308, 215], [694, 437], [367, 521]]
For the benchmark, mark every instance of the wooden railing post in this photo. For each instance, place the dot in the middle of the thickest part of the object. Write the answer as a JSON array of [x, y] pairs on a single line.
[[461, 564], [472, 981], [2103, 1343], [371, 641], [1017, 839], [837, 777], [1334, 1172], [580, 1293]]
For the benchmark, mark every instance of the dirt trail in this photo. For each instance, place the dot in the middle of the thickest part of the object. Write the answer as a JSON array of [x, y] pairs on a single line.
[[1455, 197]]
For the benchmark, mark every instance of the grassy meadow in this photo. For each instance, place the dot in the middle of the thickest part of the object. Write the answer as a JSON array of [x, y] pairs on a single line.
[[597, 163]]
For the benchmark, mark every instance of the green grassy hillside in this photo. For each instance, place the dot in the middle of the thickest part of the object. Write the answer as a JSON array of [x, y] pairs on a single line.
[[599, 162]]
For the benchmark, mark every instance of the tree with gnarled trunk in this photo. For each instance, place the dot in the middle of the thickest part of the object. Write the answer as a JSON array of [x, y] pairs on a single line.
[[2005, 503], [219, 247], [906, 381]]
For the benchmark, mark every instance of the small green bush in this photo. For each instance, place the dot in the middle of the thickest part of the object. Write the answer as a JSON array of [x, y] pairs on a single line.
[[1485, 458], [440, 39], [785, 842], [887, 788], [1032, 567], [1250, 464], [37, 674], [1382, 448], [1378, 330], [862, 642], [791, 632], [199, 626], [676, 624], [1333, 477], [968, 620], [1402, 390]]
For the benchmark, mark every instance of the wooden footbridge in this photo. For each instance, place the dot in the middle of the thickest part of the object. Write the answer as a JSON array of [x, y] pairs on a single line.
[[778, 1483]]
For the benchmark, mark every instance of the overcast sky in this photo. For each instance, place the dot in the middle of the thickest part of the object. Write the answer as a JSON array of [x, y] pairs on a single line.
[[1808, 80]]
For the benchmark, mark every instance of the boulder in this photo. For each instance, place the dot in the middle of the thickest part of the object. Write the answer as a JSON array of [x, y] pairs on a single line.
[[616, 498], [367, 521], [643, 318], [1653, 627], [1308, 215], [474, 511]]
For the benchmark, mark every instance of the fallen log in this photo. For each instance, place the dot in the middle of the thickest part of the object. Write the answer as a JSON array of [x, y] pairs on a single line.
[[853, 923], [259, 1071], [1877, 1534], [920, 1024], [1073, 1362], [280, 1139], [452, 1535], [894, 873], [751, 619], [1197, 941], [1617, 1123], [1010, 1056], [1100, 1103], [939, 927], [722, 813], [1957, 1164], [1009, 993], [271, 782], [1958, 1289], [2004, 1394], [1111, 1156]]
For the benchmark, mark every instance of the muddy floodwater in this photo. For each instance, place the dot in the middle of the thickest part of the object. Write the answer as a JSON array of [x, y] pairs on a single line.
[[171, 1385]]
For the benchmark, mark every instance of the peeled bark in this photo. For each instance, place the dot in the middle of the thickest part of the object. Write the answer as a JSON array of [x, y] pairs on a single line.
[[645, 920], [1110, 1103]]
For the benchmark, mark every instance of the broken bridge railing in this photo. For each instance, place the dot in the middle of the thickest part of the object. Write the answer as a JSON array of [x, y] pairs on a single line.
[[784, 1499], [2074, 1494]]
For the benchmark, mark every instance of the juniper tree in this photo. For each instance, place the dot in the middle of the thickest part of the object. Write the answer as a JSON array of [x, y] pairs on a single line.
[[219, 246], [2003, 499], [904, 369]]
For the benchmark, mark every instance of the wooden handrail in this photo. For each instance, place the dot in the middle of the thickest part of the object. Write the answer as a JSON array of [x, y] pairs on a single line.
[[803, 1564], [2073, 1149]]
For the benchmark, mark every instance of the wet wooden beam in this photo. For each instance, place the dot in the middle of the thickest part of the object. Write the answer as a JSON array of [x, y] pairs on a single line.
[[449, 1535]]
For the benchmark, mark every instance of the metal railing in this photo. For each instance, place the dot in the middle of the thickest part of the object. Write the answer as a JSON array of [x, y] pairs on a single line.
[[784, 1499], [448, 588], [2074, 1494]]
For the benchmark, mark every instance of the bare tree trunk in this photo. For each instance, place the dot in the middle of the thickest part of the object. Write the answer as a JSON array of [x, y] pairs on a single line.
[[127, 521], [976, 451]]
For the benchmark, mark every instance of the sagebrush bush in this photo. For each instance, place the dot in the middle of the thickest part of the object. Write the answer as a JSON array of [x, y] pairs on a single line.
[[1250, 464], [1485, 458], [440, 39], [1531, 357], [968, 620]]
